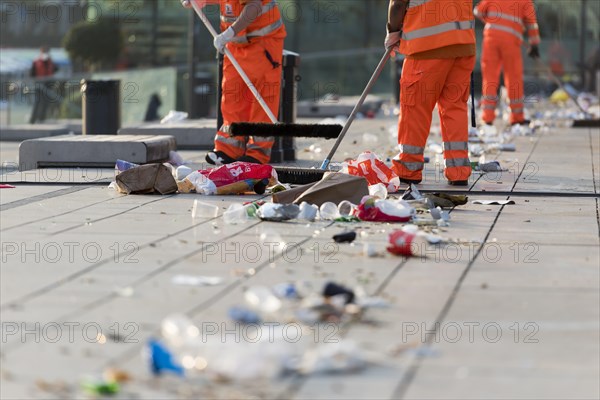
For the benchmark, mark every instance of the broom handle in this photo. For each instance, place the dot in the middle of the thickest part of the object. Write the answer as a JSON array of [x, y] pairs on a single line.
[[235, 64], [357, 107], [560, 84]]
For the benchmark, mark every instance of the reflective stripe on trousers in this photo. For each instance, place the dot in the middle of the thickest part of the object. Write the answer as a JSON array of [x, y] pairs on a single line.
[[456, 146], [408, 149], [457, 162]]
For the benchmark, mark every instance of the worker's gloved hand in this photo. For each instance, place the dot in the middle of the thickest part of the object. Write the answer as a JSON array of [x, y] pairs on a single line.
[[186, 3], [534, 51], [392, 40], [222, 39]]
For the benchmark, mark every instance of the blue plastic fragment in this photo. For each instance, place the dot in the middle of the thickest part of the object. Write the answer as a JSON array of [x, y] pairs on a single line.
[[243, 315], [161, 359]]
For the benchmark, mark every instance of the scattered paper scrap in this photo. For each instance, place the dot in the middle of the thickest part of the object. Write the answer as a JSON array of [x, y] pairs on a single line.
[[195, 280]]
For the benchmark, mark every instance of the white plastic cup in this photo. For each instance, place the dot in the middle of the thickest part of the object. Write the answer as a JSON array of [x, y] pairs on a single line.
[[328, 211], [204, 210], [308, 212], [346, 208], [235, 214]]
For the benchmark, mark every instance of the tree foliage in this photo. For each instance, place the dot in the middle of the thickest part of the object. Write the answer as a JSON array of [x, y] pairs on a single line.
[[97, 44]]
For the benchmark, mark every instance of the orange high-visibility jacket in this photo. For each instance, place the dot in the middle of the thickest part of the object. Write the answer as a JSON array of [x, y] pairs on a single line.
[[508, 19], [268, 22], [432, 24]]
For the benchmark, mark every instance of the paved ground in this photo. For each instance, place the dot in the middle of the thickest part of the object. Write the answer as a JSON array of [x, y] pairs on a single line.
[[510, 309]]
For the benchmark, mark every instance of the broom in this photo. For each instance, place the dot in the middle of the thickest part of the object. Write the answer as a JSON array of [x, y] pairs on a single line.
[[588, 122], [262, 129], [309, 175]]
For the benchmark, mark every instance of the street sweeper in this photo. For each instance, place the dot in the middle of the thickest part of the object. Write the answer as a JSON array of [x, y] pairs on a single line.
[[505, 22], [438, 39], [253, 31]]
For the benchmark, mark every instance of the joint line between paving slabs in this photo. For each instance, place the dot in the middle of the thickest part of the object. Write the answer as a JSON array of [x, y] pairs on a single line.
[[45, 196], [113, 215], [413, 369], [594, 180], [56, 215], [593, 166]]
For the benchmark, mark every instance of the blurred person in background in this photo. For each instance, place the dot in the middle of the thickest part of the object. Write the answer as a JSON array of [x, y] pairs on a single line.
[[253, 31], [43, 65], [438, 39], [42, 68]]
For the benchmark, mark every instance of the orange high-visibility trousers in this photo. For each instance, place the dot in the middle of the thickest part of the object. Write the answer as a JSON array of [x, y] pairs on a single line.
[[499, 54], [423, 84], [261, 61]]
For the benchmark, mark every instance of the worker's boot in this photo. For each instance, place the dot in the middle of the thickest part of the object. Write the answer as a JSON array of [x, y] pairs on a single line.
[[248, 159]]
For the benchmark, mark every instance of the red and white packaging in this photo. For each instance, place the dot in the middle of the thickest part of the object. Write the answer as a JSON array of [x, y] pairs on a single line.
[[238, 171], [369, 166]]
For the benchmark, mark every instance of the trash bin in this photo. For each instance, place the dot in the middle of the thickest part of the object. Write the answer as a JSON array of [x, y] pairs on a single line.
[[101, 107], [202, 95]]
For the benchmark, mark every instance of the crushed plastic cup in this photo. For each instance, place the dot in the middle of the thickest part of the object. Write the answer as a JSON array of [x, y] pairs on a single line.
[[201, 183], [492, 166], [328, 211], [122, 165], [370, 250], [346, 208], [235, 214], [489, 130], [175, 158], [204, 210], [308, 212], [262, 299], [378, 190], [182, 172], [277, 212], [273, 241]]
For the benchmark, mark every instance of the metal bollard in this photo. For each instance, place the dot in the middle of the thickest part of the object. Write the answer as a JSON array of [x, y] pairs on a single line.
[[284, 148]]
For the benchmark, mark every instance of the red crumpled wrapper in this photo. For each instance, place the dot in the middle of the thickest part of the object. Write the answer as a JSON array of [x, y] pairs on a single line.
[[401, 243], [373, 170], [367, 211], [237, 171]]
